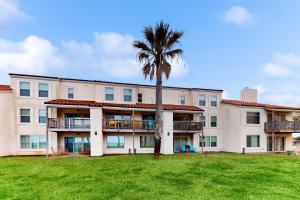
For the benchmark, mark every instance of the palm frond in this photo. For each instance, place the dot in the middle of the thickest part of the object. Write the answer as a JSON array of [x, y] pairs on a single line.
[[173, 53], [149, 35], [173, 38], [141, 46]]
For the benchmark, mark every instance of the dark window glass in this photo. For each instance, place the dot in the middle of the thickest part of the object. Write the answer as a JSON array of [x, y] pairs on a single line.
[[252, 140], [25, 115], [24, 89], [253, 118], [43, 90], [140, 97], [147, 141]]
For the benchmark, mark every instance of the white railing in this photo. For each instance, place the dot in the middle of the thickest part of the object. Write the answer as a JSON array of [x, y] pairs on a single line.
[[68, 123]]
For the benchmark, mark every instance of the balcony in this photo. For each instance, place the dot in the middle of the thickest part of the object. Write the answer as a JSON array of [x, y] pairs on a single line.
[[69, 124], [128, 125], [282, 127], [187, 126]]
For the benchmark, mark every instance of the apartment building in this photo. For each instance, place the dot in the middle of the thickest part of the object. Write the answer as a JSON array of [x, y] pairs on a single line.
[[51, 115]]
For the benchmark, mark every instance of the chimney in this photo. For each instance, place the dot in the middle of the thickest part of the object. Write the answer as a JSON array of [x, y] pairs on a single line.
[[249, 95]]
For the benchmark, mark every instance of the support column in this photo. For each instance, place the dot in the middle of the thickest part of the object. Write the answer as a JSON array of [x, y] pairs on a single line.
[[167, 133], [96, 134]]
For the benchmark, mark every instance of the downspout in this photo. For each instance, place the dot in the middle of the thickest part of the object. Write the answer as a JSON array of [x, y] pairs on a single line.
[[47, 134], [273, 134], [133, 151]]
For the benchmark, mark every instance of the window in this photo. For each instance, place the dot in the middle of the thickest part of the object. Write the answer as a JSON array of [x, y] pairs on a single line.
[[24, 89], [43, 89], [109, 94], [252, 140], [25, 115], [202, 100], [213, 101], [253, 117], [127, 95], [42, 116], [213, 121], [203, 120], [182, 100], [140, 97], [115, 141], [147, 141], [33, 141], [70, 93], [209, 141], [25, 141]]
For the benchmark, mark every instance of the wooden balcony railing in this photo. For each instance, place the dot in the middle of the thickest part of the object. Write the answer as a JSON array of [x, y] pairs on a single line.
[[128, 124], [283, 126], [187, 126], [69, 123]]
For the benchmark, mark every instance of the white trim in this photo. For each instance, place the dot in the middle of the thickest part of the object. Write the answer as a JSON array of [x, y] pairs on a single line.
[[31, 88], [67, 92], [19, 116], [37, 89]]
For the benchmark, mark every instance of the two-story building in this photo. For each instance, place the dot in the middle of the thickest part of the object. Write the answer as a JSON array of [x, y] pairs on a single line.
[[52, 115]]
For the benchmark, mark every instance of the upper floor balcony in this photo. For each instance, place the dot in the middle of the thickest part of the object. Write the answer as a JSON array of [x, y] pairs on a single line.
[[69, 124], [83, 124], [282, 127]]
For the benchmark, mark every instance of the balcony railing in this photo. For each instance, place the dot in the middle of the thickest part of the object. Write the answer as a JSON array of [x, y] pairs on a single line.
[[69, 123], [128, 124], [187, 126], [283, 126]]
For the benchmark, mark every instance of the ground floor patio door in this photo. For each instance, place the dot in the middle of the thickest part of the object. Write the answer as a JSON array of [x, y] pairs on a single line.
[[77, 144], [178, 142], [279, 143]]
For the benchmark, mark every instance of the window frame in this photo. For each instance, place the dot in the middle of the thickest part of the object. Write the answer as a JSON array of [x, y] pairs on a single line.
[[105, 93], [211, 121], [20, 116], [140, 98], [202, 95], [182, 99], [124, 96], [208, 141], [141, 140], [68, 88], [251, 145], [39, 90], [38, 116], [115, 147], [251, 112], [211, 96], [41, 141], [30, 89]]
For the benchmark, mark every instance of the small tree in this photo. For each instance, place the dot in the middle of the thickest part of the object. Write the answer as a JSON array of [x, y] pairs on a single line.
[[155, 54]]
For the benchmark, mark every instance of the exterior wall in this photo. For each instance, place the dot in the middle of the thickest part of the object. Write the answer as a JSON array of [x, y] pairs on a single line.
[[7, 124], [167, 133], [231, 130], [236, 129]]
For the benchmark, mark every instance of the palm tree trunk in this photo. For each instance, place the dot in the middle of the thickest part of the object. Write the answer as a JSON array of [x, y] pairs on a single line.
[[158, 114]]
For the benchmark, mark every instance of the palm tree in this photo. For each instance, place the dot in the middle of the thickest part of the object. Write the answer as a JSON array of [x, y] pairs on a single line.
[[155, 54]]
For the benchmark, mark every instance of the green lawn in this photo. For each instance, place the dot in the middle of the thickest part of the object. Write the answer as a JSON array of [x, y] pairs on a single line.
[[213, 176]]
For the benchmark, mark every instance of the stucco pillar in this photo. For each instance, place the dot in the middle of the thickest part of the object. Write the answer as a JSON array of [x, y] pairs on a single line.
[[196, 141], [167, 133], [96, 135]]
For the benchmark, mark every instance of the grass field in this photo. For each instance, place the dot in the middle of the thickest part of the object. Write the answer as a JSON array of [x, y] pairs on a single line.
[[213, 176]]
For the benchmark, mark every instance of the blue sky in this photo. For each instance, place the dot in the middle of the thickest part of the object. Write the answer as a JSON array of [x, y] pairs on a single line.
[[228, 44]]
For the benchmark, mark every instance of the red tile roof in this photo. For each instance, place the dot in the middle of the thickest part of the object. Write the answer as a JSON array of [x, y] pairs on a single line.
[[253, 104], [5, 88], [137, 105]]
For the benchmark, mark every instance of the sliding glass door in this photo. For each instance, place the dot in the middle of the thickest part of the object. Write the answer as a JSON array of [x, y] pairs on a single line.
[[77, 144]]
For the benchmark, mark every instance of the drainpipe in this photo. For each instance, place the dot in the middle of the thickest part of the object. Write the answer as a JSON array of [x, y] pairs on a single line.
[[47, 134], [273, 134], [133, 151], [202, 134]]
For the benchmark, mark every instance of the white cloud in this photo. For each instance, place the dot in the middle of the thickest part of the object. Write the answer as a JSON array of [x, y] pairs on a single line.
[[238, 15], [281, 79], [276, 70], [109, 55], [10, 12], [225, 95], [260, 89], [33, 55]]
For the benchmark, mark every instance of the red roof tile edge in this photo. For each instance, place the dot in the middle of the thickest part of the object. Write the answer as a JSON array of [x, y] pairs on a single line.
[[253, 104], [137, 105], [5, 88]]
